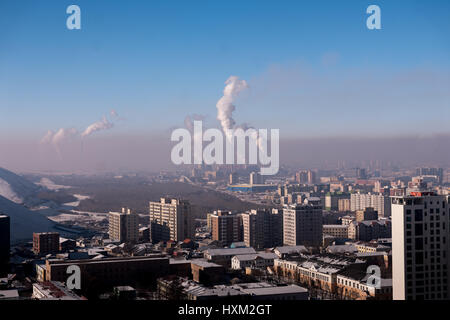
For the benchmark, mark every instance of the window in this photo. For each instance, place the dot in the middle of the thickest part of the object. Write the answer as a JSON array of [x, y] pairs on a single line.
[[419, 244], [418, 215], [418, 229], [419, 258]]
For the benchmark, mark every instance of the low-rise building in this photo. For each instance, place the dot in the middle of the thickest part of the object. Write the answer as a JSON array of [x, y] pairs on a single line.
[[12, 294], [357, 284], [338, 231], [189, 290], [205, 272], [224, 256], [111, 271], [285, 251], [369, 230], [371, 247], [256, 261], [53, 290]]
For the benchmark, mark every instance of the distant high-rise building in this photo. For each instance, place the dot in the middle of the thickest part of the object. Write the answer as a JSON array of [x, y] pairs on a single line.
[[311, 177], [5, 226], [305, 177], [263, 228], [124, 226], [256, 178], [380, 203], [439, 172], [45, 243], [368, 213], [233, 178], [301, 177], [302, 223], [420, 246], [343, 205], [226, 227], [171, 219], [361, 173], [332, 200]]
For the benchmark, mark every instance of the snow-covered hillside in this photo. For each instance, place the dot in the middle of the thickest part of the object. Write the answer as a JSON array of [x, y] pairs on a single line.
[[7, 192], [16, 188], [23, 221]]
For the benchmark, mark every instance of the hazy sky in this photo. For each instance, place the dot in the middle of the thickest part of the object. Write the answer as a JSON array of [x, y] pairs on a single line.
[[313, 68]]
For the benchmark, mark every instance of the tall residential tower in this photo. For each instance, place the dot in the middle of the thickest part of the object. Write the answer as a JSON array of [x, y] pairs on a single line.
[[420, 246], [171, 219]]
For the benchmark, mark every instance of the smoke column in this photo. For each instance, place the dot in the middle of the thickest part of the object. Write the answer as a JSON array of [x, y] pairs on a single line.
[[225, 105], [104, 124]]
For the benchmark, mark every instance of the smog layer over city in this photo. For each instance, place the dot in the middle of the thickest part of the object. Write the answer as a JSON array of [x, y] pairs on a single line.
[[224, 158]]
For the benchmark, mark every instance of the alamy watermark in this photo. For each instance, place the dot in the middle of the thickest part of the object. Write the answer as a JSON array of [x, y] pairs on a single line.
[[227, 147], [374, 279], [74, 20], [374, 20], [74, 280]]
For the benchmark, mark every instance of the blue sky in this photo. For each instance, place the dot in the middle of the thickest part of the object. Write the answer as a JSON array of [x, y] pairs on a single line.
[[311, 65]]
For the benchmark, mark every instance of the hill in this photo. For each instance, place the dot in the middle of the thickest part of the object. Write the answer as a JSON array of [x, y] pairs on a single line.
[[23, 221]]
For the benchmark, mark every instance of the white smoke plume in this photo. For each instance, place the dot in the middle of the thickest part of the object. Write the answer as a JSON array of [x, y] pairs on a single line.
[[225, 105], [234, 86], [104, 124], [64, 136], [59, 136], [48, 138]]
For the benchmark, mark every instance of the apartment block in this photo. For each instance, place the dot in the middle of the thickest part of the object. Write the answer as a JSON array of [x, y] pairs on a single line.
[[339, 231], [302, 223], [124, 226], [171, 219], [369, 230], [379, 202], [368, 213], [263, 228], [344, 205], [45, 243], [226, 227], [420, 246]]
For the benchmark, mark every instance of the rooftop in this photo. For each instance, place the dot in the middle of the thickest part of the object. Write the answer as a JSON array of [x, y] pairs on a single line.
[[253, 289], [342, 226], [230, 251], [291, 249], [204, 263], [249, 257], [272, 290], [53, 290], [9, 294]]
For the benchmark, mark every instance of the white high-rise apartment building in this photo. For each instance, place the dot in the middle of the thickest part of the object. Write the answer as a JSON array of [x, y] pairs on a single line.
[[171, 219], [361, 201], [302, 223], [124, 226], [420, 246]]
